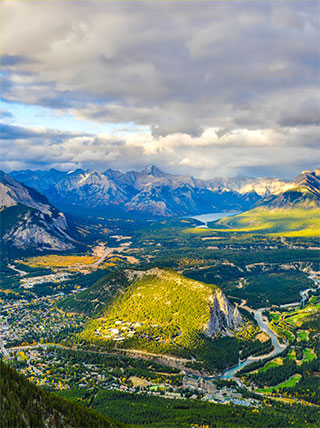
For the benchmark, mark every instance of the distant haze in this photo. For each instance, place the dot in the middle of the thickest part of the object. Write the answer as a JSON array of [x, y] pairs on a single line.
[[203, 88]]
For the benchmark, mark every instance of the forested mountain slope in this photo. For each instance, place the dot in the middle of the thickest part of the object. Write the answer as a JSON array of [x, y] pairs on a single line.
[[23, 404]]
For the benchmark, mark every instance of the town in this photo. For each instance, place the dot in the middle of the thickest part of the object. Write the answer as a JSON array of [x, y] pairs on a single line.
[[30, 333]]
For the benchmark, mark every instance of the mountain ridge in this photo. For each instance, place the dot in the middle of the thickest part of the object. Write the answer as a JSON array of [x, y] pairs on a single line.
[[301, 192], [293, 212], [150, 191]]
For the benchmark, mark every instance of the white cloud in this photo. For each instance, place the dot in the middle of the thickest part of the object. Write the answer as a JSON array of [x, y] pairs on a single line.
[[203, 156]]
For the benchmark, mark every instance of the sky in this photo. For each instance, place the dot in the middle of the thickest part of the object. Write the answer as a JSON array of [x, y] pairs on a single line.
[[207, 88]]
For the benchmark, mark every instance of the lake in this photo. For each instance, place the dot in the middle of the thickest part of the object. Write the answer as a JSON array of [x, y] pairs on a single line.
[[206, 218]]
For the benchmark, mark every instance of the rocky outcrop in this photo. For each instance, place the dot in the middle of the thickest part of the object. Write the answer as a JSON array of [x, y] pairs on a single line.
[[39, 231], [225, 318], [28, 220]]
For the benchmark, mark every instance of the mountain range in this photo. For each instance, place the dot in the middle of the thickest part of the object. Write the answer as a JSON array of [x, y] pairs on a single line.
[[150, 191], [28, 219]]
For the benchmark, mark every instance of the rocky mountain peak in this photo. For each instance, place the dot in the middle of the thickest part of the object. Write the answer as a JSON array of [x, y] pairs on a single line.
[[154, 192], [154, 170]]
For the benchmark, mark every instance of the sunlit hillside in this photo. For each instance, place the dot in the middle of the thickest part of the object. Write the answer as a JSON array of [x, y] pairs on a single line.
[[165, 312], [281, 222]]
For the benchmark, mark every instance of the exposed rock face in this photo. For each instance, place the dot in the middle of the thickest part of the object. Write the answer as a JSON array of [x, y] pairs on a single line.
[[13, 193], [40, 231], [155, 192], [224, 317], [28, 220], [90, 189]]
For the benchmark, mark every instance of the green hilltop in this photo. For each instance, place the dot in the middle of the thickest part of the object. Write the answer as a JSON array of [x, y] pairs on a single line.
[[164, 312]]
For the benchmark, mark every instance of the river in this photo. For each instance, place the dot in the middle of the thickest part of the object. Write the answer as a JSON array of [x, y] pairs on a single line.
[[206, 218], [264, 325]]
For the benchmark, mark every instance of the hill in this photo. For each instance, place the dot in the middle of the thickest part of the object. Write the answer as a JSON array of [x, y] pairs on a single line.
[[161, 311], [94, 300], [23, 404], [285, 222], [28, 220]]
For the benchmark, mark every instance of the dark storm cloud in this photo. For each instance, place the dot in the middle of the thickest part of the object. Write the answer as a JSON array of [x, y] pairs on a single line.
[[12, 132]]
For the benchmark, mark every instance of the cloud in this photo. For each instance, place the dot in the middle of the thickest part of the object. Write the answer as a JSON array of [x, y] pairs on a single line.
[[240, 68], [307, 113], [208, 155], [5, 115], [12, 60]]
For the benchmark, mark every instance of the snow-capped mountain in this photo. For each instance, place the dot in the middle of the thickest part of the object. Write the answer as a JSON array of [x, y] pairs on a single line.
[[90, 189], [149, 191]]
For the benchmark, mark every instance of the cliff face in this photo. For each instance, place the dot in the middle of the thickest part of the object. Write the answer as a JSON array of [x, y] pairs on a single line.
[[41, 231], [224, 317], [28, 220]]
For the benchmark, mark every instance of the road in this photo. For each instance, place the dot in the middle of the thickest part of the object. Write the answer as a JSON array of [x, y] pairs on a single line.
[[106, 254], [21, 272], [3, 349]]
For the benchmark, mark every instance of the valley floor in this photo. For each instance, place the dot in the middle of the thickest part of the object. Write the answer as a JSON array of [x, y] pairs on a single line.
[[39, 337]]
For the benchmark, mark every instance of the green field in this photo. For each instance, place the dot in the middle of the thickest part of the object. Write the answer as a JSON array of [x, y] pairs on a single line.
[[287, 324], [308, 355], [303, 335], [286, 384], [270, 364], [292, 354]]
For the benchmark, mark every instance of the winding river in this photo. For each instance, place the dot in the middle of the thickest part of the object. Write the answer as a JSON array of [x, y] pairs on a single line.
[[264, 325], [261, 320]]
